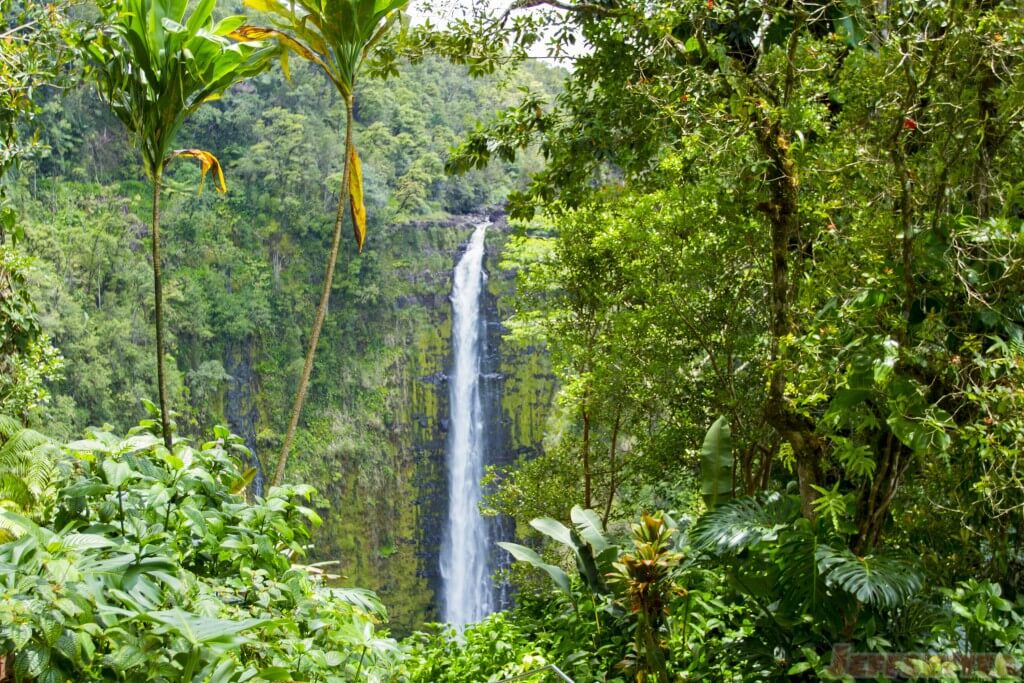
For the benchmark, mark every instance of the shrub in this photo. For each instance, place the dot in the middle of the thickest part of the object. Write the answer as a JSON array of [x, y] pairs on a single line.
[[151, 565]]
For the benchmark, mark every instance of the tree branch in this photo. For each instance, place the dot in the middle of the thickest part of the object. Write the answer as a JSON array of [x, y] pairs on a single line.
[[576, 8]]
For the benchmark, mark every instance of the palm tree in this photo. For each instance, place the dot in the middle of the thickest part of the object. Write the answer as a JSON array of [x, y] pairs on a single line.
[[337, 36], [154, 67]]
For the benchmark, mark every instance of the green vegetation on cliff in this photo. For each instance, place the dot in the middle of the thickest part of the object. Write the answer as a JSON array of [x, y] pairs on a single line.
[[774, 253], [241, 276]]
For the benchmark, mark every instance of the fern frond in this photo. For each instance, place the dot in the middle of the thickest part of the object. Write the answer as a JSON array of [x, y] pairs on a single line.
[[18, 446], [9, 426], [40, 468], [916, 622], [14, 490], [27, 464]]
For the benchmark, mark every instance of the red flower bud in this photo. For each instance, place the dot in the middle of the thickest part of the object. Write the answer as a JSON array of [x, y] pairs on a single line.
[[909, 124]]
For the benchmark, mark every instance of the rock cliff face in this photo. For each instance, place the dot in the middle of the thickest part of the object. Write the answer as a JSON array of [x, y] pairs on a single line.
[[240, 409], [384, 507]]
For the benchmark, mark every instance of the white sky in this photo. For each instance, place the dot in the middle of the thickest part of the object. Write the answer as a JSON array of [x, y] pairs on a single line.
[[443, 10]]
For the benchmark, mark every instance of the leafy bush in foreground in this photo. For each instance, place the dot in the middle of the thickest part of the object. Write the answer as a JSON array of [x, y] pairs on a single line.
[[750, 592], [149, 564]]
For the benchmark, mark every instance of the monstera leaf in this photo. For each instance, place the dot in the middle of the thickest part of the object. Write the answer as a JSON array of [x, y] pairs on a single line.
[[875, 579], [743, 523]]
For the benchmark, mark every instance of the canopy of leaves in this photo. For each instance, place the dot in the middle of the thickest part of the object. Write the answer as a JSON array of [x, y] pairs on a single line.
[[155, 67]]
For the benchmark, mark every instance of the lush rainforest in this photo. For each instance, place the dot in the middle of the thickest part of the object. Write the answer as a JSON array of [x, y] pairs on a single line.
[[754, 339]]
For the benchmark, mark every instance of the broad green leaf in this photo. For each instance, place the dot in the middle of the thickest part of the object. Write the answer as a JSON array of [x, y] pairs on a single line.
[[198, 630], [366, 600], [30, 662], [116, 472], [524, 554], [85, 542], [716, 464], [554, 529], [590, 528], [140, 442], [88, 445]]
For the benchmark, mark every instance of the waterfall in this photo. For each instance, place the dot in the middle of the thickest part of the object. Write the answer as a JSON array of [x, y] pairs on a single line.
[[467, 592]]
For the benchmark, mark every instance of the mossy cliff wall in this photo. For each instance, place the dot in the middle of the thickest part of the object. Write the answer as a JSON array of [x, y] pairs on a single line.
[[379, 457]]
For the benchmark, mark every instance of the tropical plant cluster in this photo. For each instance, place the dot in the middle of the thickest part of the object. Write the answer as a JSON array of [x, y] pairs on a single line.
[[798, 222], [242, 272], [128, 561], [749, 592], [802, 218]]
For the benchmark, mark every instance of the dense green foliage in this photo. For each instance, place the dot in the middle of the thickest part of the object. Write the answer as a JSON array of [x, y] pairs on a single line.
[[149, 564], [804, 217], [37, 45], [758, 609], [242, 272], [237, 265], [798, 223]]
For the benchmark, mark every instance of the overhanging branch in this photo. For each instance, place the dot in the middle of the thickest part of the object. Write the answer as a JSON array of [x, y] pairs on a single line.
[[576, 8]]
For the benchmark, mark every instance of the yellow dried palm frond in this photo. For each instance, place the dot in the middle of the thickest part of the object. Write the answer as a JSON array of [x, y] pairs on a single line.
[[355, 183], [206, 162]]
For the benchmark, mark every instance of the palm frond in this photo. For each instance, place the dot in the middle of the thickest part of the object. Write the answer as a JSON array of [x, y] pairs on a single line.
[[9, 426], [27, 464]]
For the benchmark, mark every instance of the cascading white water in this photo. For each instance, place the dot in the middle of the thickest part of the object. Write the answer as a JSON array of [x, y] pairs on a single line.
[[467, 594]]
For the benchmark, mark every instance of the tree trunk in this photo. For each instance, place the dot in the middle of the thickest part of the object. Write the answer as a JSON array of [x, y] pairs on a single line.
[[158, 298], [585, 452], [873, 506], [784, 221], [614, 450], [307, 368], [991, 140]]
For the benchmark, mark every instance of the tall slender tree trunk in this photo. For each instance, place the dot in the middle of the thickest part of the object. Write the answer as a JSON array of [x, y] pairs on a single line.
[[321, 313], [614, 450], [585, 452], [158, 298], [783, 218]]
